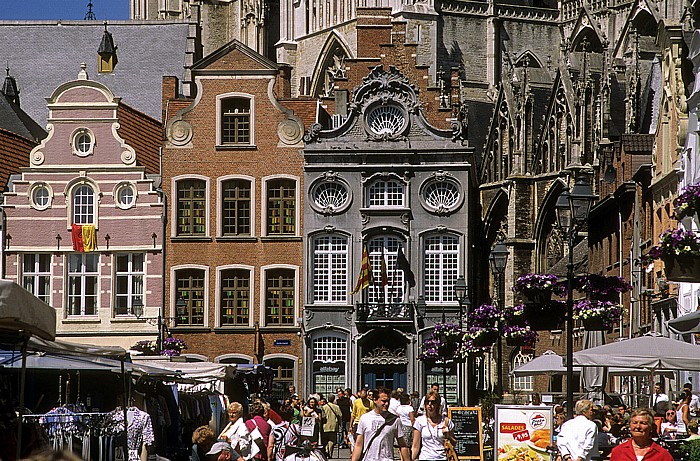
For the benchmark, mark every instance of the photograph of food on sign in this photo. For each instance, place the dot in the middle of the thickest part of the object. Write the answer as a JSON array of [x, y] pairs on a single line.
[[523, 433]]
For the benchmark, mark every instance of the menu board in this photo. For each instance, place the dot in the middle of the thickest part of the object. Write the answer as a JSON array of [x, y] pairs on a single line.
[[522, 432], [467, 431]]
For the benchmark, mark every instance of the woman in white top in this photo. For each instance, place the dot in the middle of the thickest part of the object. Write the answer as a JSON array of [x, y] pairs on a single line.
[[683, 412], [237, 434], [405, 412], [430, 432]]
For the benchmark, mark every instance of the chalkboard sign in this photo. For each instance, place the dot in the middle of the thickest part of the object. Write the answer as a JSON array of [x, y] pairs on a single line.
[[467, 430]]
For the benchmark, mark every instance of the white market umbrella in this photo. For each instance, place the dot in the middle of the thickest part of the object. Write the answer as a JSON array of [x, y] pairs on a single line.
[[648, 352]]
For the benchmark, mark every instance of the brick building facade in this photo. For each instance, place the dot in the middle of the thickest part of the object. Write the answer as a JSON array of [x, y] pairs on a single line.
[[233, 176]]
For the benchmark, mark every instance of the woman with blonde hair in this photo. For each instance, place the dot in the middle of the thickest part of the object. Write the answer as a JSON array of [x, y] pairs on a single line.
[[431, 430], [202, 440], [237, 434]]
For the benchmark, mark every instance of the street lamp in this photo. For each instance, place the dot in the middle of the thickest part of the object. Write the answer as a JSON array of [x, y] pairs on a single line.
[[461, 293], [137, 310], [572, 209], [497, 261]]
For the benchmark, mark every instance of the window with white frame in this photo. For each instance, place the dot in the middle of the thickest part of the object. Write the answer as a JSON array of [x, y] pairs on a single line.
[[522, 383], [236, 207], [128, 286], [235, 297], [329, 349], [386, 192], [83, 275], [191, 207], [330, 269], [283, 376], [41, 196], [281, 207], [84, 205], [441, 253], [36, 275], [388, 286], [190, 285], [235, 121], [279, 297], [125, 195]]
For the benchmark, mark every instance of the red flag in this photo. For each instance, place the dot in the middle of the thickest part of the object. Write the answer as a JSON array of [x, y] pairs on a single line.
[[77, 236], [365, 278]]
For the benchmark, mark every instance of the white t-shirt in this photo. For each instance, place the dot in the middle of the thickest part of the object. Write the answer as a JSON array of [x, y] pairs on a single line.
[[432, 439], [393, 405], [404, 412], [382, 446]]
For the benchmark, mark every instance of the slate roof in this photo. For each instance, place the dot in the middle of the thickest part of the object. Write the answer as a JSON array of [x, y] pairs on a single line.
[[13, 118], [42, 55]]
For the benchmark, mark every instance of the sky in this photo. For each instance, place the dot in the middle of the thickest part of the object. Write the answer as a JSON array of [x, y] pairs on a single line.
[[63, 9]]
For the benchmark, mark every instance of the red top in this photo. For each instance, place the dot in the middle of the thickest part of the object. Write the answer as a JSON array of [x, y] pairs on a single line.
[[275, 417], [625, 452]]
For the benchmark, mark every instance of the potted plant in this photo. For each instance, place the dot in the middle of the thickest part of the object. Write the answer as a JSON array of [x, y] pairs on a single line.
[[680, 251], [519, 336], [597, 315], [444, 345], [173, 347], [146, 347], [486, 315], [545, 317], [687, 204], [537, 289], [603, 288]]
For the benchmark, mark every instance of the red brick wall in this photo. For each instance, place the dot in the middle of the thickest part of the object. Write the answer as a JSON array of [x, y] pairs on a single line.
[[14, 150], [144, 134]]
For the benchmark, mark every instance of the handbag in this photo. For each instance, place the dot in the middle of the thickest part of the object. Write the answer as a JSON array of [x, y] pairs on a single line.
[[450, 451]]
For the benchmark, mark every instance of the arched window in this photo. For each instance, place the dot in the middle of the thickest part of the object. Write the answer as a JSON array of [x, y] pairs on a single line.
[[330, 266], [441, 267], [235, 121], [281, 207], [388, 286], [280, 292], [84, 205], [283, 377], [523, 383], [235, 297], [329, 357], [235, 207]]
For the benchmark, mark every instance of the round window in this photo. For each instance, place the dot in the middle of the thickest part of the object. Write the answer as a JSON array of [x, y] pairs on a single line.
[[442, 196], [330, 196], [386, 120], [40, 197], [83, 143], [126, 196]]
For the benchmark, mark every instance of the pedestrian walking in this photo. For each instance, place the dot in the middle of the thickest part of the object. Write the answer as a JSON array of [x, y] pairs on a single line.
[[376, 432], [331, 422], [431, 430], [578, 437], [345, 405]]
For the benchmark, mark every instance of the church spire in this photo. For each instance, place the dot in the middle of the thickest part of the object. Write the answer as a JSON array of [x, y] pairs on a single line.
[[90, 16], [9, 87]]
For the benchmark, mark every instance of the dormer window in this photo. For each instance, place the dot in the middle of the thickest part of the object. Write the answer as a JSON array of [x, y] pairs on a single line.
[[83, 142], [235, 120], [107, 53]]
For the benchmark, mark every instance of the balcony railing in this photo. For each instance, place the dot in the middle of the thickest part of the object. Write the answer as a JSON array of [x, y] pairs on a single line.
[[385, 312]]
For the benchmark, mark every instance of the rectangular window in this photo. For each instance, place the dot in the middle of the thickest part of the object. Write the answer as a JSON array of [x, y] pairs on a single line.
[[330, 269], [191, 207], [281, 207], [235, 121], [83, 275], [235, 297], [235, 208], [385, 249], [386, 193], [279, 298], [190, 288], [36, 275], [441, 267], [129, 282]]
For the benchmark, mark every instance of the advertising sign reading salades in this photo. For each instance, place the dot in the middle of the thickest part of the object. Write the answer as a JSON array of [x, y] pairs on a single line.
[[523, 432]]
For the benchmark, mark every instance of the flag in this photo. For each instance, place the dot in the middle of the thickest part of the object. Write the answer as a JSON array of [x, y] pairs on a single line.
[[365, 278], [384, 274], [83, 237], [403, 264]]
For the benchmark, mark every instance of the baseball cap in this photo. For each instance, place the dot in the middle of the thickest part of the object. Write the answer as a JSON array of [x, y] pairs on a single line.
[[218, 447]]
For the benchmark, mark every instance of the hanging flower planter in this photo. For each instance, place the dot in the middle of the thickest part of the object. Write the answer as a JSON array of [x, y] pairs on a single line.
[[687, 204], [597, 315], [682, 268], [517, 335], [537, 289], [444, 345], [680, 251], [485, 338], [545, 317], [602, 288]]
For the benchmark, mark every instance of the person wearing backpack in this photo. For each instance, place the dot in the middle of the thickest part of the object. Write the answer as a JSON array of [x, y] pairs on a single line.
[[283, 435]]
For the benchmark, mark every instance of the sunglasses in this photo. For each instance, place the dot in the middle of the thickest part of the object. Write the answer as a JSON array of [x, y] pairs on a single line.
[[431, 402], [670, 413]]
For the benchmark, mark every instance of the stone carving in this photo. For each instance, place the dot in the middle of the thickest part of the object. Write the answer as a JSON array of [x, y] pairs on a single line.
[[37, 158], [290, 131], [384, 356], [312, 134], [128, 157], [180, 133], [460, 123]]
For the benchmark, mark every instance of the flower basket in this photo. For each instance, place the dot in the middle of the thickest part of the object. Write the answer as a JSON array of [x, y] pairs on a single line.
[[445, 344], [687, 204], [517, 335], [485, 316], [602, 288], [536, 298], [682, 268], [597, 315], [544, 317], [596, 324], [516, 341], [486, 338]]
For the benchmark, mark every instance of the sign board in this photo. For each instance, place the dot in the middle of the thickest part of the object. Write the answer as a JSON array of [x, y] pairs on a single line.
[[467, 430], [282, 342], [308, 425], [523, 432]]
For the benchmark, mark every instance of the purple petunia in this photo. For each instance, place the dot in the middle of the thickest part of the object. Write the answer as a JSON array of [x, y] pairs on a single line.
[[674, 243], [539, 282], [688, 202], [608, 312]]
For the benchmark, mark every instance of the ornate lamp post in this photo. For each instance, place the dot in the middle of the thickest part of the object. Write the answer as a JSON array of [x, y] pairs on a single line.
[[497, 262], [137, 309], [572, 210]]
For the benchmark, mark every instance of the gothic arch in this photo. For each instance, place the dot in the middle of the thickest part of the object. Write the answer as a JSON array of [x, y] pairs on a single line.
[[495, 214], [545, 232], [330, 64], [528, 57], [587, 35]]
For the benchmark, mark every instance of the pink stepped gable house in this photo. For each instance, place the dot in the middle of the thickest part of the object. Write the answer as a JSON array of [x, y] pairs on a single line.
[[84, 229]]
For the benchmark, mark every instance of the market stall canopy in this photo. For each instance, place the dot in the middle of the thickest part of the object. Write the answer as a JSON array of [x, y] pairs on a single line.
[[200, 371], [63, 347], [648, 352], [551, 363], [688, 323], [21, 310]]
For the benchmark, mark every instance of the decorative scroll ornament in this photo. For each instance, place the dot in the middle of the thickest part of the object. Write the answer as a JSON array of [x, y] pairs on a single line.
[[383, 356], [290, 131], [460, 123], [312, 134], [180, 133]]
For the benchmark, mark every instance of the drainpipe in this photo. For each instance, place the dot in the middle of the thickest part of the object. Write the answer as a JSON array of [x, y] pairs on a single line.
[[164, 222]]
